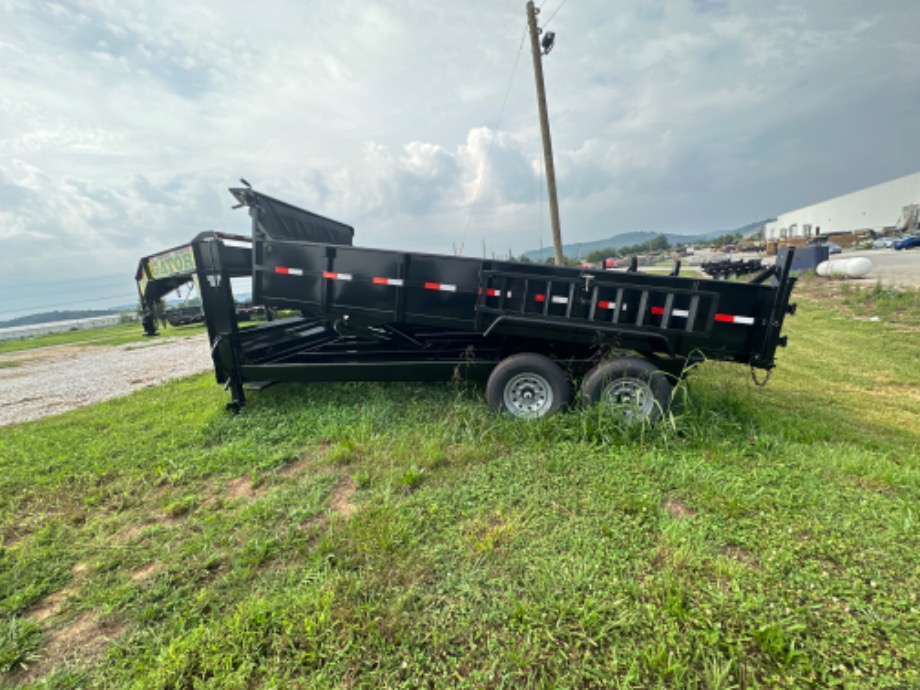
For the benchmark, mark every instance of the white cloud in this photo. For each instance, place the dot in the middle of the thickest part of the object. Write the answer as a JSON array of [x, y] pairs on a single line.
[[122, 122]]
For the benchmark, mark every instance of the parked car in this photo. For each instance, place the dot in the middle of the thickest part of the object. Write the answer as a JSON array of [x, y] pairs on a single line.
[[883, 243], [907, 242]]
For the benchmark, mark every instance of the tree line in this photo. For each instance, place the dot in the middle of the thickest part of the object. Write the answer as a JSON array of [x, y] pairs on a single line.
[[660, 243]]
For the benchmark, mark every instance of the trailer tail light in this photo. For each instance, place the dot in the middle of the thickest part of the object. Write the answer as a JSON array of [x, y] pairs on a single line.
[[288, 271]]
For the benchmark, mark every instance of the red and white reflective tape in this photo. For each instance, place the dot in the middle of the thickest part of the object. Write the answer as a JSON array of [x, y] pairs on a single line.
[[680, 313], [289, 271], [492, 292], [555, 299], [398, 282], [337, 276], [728, 318], [441, 286], [609, 305]]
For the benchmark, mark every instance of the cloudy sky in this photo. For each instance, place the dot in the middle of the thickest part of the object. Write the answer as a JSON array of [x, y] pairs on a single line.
[[122, 122]]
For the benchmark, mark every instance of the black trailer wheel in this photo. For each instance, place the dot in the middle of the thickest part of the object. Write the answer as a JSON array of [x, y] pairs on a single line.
[[528, 385], [634, 385]]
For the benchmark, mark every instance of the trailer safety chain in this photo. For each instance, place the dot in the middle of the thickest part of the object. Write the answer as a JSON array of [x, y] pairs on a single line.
[[760, 384]]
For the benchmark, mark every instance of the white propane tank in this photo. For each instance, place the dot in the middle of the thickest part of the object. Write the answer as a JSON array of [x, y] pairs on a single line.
[[851, 267]]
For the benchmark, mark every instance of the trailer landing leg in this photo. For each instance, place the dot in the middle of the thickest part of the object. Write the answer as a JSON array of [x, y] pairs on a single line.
[[239, 398]]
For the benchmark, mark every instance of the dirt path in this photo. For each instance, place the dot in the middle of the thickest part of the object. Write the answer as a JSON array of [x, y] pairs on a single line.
[[51, 380]]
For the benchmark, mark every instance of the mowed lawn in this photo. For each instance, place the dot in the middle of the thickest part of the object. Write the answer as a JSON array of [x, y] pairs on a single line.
[[400, 535]]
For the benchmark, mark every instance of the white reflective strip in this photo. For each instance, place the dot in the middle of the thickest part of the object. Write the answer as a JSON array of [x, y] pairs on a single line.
[[343, 276], [447, 288], [236, 243], [557, 299], [295, 271], [746, 320], [683, 313], [395, 281]]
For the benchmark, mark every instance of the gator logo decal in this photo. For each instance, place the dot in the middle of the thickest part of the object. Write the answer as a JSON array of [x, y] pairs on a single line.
[[179, 261]]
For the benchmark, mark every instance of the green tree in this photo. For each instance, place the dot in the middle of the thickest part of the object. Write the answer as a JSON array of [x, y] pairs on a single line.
[[658, 244], [600, 254]]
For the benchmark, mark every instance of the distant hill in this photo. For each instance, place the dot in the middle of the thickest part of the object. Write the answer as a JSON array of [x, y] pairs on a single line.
[[628, 239], [50, 316], [747, 231]]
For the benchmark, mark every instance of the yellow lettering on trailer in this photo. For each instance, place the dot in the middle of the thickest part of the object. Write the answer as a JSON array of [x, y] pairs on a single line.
[[172, 263]]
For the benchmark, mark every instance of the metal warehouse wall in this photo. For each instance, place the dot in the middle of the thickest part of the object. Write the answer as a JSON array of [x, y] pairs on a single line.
[[872, 207]]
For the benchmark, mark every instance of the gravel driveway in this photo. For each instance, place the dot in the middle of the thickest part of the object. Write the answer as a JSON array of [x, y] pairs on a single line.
[[51, 380]]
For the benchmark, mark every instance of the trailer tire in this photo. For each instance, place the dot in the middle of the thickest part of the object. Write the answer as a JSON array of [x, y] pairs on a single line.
[[634, 385], [528, 386]]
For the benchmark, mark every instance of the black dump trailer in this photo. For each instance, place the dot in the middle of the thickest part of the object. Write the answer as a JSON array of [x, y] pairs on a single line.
[[529, 330]]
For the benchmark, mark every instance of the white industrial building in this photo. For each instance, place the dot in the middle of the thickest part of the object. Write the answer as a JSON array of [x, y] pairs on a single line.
[[887, 205]]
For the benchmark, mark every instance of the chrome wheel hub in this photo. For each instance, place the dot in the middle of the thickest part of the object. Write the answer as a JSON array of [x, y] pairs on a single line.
[[528, 395], [632, 395]]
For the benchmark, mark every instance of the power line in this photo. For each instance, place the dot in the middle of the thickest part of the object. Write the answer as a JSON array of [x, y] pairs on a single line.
[[542, 212], [546, 23], [501, 114]]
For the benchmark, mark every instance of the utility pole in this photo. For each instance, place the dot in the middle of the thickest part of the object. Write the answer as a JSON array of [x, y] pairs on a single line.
[[544, 125]]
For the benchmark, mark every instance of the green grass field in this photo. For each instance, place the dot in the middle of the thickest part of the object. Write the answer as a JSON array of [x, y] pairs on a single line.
[[110, 335], [399, 535]]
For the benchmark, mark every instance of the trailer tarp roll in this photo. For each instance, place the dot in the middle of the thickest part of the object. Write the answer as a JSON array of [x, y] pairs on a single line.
[[281, 221]]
